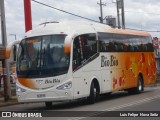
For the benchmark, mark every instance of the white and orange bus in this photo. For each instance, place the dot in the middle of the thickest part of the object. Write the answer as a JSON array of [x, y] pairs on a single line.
[[61, 61]]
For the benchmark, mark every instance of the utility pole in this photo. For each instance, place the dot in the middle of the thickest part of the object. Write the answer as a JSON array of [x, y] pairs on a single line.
[[5, 65], [101, 10], [120, 5], [118, 15], [123, 16]]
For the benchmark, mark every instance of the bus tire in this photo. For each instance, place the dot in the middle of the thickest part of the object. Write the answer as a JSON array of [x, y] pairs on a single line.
[[48, 104], [94, 94], [140, 86]]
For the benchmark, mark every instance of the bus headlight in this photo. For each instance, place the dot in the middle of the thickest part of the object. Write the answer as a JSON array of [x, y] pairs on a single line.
[[19, 89], [67, 85]]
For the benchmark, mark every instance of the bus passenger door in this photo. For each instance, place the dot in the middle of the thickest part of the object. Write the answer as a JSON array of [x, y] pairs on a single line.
[[77, 68]]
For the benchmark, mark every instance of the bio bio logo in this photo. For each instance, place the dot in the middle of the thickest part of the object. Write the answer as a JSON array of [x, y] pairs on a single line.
[[52, 81], [109, 62]]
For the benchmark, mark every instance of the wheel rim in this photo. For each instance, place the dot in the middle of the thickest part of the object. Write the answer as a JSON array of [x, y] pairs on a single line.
[[140, 85], [95, 92]]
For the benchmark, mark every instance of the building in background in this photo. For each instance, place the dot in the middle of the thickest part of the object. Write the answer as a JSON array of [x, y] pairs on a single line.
[[156, 43]]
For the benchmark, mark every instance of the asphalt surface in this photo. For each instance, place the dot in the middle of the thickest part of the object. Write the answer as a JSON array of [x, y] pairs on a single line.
[[76, 110], [121, 102]]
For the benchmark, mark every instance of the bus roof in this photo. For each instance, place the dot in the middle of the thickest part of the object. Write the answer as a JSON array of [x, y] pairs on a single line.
[[78, 28]]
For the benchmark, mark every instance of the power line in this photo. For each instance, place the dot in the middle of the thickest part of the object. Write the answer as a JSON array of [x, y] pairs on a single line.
[[88, 18], [63, 11]]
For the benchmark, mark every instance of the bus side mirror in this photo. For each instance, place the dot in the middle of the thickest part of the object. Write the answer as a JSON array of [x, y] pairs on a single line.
[[67, 45], [8, 53], [14, 52], [11, 50]]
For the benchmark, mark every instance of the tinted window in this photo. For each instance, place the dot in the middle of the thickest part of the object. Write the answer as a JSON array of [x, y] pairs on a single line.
[[42, 56], [109, 42], [84, 47], [105, 42]]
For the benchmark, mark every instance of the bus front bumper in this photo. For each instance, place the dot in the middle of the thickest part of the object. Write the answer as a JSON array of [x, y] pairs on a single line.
[[46, 96]]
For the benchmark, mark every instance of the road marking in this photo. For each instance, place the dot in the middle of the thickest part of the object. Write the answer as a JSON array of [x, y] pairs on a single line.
[[117, 107], [132, 103]]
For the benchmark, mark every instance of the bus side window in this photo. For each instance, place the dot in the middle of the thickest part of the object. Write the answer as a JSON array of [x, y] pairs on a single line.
[[105, 42], [147, 42], [121, 47], [84, 47], [90, 46], [104, 46], [111, 47], [143, 44], [130, 40], [119, 42]]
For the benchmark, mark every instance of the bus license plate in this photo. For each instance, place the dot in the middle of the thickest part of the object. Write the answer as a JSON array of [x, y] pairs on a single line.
[[41, 95]]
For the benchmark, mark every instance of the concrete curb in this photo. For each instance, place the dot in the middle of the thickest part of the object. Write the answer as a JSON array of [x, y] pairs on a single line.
[[12, 101], [8, 104]]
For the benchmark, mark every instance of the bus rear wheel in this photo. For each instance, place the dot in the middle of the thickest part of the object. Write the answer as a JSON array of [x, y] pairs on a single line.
[[94, 94], [139, 88]]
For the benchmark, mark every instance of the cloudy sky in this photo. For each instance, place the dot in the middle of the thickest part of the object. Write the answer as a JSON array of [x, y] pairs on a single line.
[[139, 14]]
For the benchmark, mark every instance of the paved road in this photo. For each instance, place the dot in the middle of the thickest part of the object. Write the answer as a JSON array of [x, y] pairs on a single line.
[[149, 100]]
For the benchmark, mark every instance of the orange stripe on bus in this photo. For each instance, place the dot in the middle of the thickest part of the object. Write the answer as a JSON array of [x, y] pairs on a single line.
[[8, 52], [127, 32], [27, 83]]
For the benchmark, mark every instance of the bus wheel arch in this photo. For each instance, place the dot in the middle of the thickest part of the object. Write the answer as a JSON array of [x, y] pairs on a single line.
[[94, 91], [139, 87]]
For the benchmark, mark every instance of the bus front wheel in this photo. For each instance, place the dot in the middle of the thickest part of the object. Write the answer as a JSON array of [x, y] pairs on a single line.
[[139, 88], [48, 104], [94, 94]]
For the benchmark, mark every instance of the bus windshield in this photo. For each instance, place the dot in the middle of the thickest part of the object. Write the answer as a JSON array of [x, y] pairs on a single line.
[[42, 56]]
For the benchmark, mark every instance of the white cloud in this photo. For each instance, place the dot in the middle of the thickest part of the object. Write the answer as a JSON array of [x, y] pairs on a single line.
[[136, 17]]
